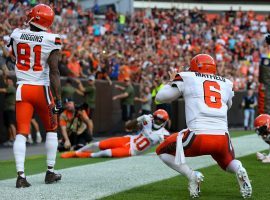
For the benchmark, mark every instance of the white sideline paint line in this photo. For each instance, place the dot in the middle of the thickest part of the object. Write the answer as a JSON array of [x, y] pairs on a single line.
[[106, 178]]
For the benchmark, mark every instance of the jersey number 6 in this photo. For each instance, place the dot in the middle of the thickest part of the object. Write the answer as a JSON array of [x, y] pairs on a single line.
[[24, 54], [212, 98]]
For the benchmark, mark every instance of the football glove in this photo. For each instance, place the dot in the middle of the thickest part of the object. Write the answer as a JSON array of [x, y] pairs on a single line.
[[58, 108]]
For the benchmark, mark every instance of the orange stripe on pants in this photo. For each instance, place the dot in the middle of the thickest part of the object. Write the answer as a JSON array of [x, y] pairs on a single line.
[[35, 98], [120, 146]]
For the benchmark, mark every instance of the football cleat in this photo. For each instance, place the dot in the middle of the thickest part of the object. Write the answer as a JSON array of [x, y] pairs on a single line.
[[83, 154], [69, 154], [30, 140], [260, 156], [244, 183], [194, 184], [266, 159], [39, 138], [22, 182], [52, 177]]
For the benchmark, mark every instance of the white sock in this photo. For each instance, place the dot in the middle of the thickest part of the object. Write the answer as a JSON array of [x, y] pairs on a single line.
[[19, 149], [30, 136], [51, 145], [183, 169], [233, 166], [90, 147], [38, 134], [105, 153], [51, 170]]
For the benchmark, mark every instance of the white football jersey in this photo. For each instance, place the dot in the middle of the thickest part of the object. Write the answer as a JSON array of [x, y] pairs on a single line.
[[207, 99], [146, 138], [32, 50]]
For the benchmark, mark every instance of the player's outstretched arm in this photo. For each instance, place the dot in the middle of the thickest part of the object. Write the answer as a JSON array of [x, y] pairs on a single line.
[[55, 74], [167, 94], [132, 125]]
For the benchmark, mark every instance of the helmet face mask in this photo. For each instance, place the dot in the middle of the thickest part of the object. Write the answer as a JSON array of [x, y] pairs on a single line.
[[158, 123], [262, 131], [262, 126]]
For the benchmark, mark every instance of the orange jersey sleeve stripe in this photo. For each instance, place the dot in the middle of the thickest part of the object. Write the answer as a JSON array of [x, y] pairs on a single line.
[[57, 41]]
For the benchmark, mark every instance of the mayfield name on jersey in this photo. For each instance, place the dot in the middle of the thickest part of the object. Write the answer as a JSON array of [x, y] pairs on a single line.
[[207, 100]]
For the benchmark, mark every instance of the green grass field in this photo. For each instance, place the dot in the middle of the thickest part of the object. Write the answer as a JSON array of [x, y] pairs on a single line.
[[37, 164], [217, 185]]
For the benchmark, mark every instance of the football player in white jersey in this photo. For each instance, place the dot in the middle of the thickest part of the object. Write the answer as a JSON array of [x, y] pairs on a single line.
[[37, 53], [207, 98], [262, 127], [151, 132]]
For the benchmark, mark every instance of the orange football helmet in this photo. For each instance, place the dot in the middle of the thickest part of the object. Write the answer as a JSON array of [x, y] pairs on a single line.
[[160, 118], [262, 124], [203, 63], [41, 16]]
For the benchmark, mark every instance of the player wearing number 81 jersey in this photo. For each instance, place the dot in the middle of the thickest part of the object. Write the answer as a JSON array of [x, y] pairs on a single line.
[[151, 132], [207, 100], [37, 55], [32, 50]]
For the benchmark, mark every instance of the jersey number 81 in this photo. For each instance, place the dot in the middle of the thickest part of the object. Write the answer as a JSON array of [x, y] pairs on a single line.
[[24, 54]]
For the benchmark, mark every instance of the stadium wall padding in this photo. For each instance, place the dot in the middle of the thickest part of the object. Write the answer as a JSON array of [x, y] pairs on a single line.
[[107, 118]]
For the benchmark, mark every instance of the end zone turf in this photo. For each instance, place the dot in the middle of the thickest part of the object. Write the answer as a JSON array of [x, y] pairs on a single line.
[[217, 185]]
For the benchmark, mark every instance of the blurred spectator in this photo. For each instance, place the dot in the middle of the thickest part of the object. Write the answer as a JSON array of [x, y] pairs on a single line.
[[68, 90], [74, 67], [165, 106], [102, 73], [146, 44], [115, 69], [63, 66], [110, 15], [89, 92], [150, 41], [146, 101], [37, 131], [249, 103], [127, 99], [9, 110], [4, 54], [75, 127]]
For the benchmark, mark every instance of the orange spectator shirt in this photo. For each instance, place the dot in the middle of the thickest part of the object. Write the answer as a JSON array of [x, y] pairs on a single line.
[[124, 73], [75, 68]]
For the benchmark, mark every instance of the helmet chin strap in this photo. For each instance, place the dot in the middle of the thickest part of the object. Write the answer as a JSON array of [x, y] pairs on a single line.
[[156, 127], [27, 23]]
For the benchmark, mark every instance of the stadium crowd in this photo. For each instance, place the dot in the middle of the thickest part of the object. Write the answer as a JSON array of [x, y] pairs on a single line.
[[147, 44], [143, 47]]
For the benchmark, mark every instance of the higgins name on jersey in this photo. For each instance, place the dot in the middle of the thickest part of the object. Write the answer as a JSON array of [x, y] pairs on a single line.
[[33, 70]]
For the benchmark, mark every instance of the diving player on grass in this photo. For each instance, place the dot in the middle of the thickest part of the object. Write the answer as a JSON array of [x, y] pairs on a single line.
[[151, 132], [207, 100]]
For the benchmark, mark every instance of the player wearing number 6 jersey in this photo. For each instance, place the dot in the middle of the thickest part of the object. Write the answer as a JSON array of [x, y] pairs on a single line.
[[207, 100], [37, 53], [151, 132]]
